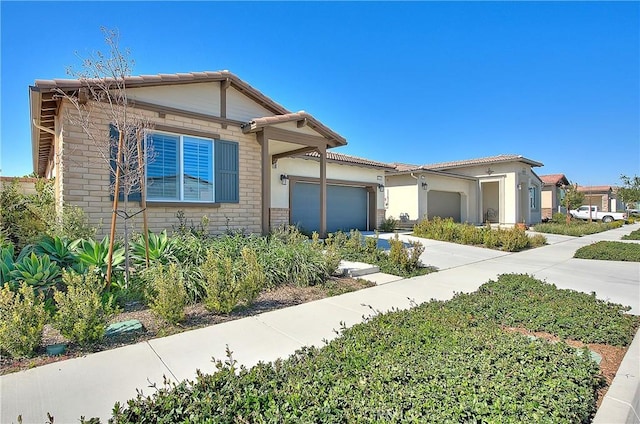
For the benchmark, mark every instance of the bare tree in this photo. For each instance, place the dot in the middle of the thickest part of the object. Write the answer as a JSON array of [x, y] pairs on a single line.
[[121, 145]]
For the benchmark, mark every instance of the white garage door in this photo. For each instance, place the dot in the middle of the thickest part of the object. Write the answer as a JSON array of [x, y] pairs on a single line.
[[445, 204], [346, 207]]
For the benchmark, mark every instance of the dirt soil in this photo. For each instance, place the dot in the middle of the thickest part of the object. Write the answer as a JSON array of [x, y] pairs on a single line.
[[611, 355], [197, 316]]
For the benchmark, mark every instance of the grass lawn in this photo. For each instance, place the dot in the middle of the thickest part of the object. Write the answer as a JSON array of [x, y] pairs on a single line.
[[575, 228]]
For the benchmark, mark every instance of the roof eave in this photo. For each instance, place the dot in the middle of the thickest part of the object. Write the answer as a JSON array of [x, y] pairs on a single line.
[[35, 100]]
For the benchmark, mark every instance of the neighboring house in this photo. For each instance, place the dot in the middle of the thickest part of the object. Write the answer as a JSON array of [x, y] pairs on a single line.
[[26, 185], [498, 189], [603, 196], [552, 194], [220, 147]]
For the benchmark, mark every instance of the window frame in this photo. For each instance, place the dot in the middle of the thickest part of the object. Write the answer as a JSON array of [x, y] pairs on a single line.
[[181, 165]]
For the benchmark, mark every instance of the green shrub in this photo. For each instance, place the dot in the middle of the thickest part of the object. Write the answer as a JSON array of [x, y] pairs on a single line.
[[403, 258], [82, 316], [576, 228], [388, 225], [516, 300], [166, 292], [510, 240], [634, 235], [252, 276], [513, 239], [222, 285], [22, 318], [559, 218], [610, 251]]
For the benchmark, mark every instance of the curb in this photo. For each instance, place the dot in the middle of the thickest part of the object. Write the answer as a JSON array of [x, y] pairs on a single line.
[[621, 404]]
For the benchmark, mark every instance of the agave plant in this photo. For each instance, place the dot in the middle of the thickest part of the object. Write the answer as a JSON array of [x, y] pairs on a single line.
[[93, 253], [37, 271], [7, 264], [161, 249], [59, 249]]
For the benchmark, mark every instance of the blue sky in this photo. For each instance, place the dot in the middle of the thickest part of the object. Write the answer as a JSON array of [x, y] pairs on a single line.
[[415, 82]]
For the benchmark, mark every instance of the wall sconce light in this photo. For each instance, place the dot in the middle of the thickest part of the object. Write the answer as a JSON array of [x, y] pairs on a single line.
[[381, 188], [425, 186], [520, 186], [284, 178], [489, 171]]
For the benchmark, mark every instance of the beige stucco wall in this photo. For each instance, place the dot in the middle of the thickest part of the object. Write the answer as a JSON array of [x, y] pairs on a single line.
[[85, 180], [402, 196], [406, 195]]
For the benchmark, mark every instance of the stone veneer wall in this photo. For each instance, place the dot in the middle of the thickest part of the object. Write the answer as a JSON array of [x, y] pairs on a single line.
[[380, 216], [278, 217], [86, 180]]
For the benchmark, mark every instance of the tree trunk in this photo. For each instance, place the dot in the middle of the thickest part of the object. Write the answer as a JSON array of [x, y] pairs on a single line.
[[114, 212]]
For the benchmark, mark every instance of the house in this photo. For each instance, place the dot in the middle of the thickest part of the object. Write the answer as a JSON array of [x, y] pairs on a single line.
[[221, 148], [552, 194], [603, 196], [499, 189]]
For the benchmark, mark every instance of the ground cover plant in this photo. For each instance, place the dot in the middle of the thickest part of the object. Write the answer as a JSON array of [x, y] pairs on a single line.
[[438, 362], [575, 227], [634, 235], [517, 300], [610, 251], [445, 229]]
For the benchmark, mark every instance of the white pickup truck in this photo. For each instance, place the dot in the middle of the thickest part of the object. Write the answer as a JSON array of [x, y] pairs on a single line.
[[586, 212]]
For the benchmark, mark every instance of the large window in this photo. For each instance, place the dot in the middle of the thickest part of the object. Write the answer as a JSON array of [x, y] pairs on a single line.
[[182, 168], [187, 169]]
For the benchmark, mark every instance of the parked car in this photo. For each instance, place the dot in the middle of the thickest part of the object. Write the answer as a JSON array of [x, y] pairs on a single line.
[[592, 212]]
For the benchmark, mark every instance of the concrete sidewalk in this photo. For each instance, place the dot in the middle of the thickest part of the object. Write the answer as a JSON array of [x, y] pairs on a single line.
[[90, 385]]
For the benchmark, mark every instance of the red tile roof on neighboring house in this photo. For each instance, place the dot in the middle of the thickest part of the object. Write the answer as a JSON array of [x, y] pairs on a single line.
[[596, 189], [340, 157], [554, 179], [401, 167]]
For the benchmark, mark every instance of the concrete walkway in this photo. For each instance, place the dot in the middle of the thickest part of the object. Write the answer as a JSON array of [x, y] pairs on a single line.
[[90, 385]]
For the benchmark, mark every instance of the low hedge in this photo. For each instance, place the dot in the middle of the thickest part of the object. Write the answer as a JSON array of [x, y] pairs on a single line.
[[576, 228], [445, 229], [610, 251], [438, 362]]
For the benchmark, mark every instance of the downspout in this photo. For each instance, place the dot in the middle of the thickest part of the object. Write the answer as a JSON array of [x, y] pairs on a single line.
[[41, 128]]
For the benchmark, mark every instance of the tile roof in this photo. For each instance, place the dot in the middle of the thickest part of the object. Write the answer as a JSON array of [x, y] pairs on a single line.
[[402, 167], [600, 188], [257, 123], [354, 160], [482, 161], [554, 179], [169, 79]]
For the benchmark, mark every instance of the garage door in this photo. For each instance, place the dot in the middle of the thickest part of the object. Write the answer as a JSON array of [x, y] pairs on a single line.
[[346, 207], [444, 204]]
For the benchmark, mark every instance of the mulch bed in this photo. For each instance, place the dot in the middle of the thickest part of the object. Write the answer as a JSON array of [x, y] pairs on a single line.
[[196, 317]]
